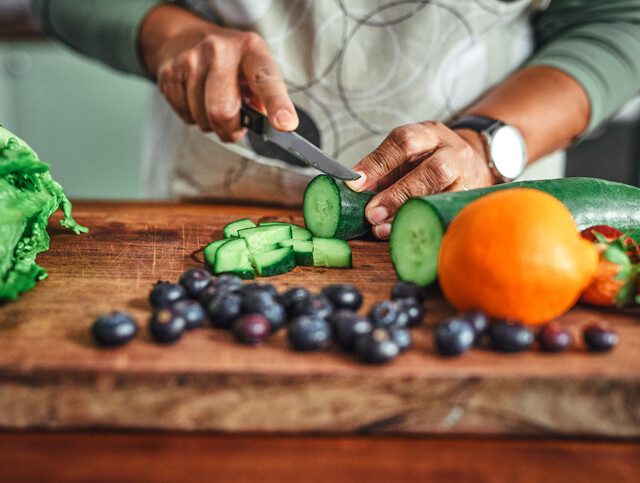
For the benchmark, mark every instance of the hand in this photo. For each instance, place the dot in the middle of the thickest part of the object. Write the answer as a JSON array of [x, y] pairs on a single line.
[[203, 70], [419, 160]]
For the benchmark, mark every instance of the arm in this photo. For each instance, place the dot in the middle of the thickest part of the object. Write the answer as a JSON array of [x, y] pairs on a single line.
[[586, 67]]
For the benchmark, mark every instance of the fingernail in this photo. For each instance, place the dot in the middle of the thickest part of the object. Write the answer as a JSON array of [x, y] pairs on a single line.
[[383, 231], [284, 118], [358, 184], [378, 215]]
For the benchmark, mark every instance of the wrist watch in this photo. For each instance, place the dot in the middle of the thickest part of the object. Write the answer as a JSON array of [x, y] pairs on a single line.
[[506, 150]]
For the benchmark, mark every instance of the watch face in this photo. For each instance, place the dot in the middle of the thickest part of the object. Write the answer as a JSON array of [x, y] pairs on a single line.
[[508, 152]]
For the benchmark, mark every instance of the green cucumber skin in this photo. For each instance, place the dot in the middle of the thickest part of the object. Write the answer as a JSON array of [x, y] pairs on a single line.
[[286, 264], [304, 258], [210, 253], [231, 229]]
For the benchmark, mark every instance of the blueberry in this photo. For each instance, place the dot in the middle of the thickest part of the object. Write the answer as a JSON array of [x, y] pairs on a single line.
[[454, 336], [254, 287], [510, 336], [479, 321], [251, 329], [376, 347], [166, 326], [402, 337], [309, 333], [347, 326], [292, 296], [387, 314], [224, 309], [413, 311], [403, 290], [163, 294], [114, 329], [554, 338], [209, 293], [195, 281], [599, 338], [343, 296], [232, 283], [317, 305], [264, 303], [192, 311]]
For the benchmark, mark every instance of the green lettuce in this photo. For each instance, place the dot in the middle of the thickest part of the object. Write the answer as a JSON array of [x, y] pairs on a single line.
[[28, 197]]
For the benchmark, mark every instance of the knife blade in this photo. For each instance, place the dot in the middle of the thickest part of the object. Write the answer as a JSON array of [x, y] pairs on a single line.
[[294, 144]]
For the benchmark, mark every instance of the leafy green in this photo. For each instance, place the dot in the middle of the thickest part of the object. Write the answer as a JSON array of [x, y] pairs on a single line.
[[28, 197]]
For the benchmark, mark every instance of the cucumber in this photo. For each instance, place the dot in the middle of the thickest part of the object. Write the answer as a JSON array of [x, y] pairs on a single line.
[[418, 226], [265, 238], [297, 232], [231, 229], [331, 252], [210, 253], [233, 257], [331, 210], [274, 262], [302, 251]]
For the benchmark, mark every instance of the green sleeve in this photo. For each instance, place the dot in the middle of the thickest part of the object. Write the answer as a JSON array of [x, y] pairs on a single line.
[[104, 29], [598, 44]]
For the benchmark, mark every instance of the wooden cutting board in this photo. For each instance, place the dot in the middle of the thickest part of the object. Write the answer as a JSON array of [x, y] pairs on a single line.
[[53, 376]]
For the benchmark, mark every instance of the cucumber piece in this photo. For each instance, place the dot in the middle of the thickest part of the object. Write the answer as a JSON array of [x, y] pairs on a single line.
[[264, 238], [302, 251], [331, 252], [233, 257], [331, 210], [231, 229], [297, 232], [210, 253], [274, 262]]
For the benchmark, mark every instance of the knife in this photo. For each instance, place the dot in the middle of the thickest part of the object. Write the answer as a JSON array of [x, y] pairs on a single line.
[[294, 144]]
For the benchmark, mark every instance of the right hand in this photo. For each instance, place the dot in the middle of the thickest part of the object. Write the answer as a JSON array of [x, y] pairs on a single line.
[[204, 70]]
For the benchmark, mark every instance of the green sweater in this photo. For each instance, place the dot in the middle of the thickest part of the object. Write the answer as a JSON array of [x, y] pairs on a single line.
[[596, 42]]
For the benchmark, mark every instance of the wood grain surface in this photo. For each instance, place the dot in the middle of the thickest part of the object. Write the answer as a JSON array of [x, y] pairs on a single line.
[[52, 375]]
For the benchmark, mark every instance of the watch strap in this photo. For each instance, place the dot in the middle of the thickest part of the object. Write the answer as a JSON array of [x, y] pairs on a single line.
[[477, 123]]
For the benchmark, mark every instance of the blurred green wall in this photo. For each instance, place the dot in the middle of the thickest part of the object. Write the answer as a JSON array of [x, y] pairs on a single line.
[[81, 117]]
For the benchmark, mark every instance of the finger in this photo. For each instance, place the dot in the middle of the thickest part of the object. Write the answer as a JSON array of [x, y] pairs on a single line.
[[404, 144], [195, 77], [171, 87], [266, 82]]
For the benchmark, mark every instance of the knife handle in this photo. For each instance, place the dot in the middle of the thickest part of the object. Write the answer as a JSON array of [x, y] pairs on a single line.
[[253, 120]]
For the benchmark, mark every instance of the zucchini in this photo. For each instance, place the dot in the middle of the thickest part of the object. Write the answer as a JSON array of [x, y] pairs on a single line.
[[302, 251], [210, 252], [231, 229], [233, 257], [274, 262], [297, 232], [418, 226], [265, 238], [331, 210], [331, 252]]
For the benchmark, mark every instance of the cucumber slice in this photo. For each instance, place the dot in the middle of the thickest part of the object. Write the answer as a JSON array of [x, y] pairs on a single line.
[[302, 250], [210, 253], [415, 242], [331, 210], [233, 257], [331, 252], [264, 238], [297, 232], [231, 229], [274, 262]]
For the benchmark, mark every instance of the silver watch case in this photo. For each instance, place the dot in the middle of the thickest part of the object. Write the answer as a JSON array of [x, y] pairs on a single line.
[[507, 152]]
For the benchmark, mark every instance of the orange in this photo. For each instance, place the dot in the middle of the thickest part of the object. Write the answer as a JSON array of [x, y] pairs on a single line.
[[515, 254]]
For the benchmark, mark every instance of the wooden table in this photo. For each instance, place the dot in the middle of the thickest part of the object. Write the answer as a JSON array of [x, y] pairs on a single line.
[[53, 377]]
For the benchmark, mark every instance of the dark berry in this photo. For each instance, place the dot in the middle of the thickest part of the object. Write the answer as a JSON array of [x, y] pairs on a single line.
[[554, 338], [387, 314], [232, 283], [209, 293], [479, 321], [195, 281], [509, 336], [347, 326], [192, 311], [343, 296], [163, 294], [402, 337], [403, 290], [166, 326], [317, 305], [254, 287], [292, 296], [251, 329], [264, 303], [376, 347], [454, 336], [114, 329], [599, 338], [413, 311], [309, 333], [224, 309]]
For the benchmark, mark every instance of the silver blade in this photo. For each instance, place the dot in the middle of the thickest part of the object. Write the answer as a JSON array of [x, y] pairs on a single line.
[[301, 148]]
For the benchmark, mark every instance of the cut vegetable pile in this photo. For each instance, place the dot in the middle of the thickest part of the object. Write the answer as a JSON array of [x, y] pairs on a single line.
[[272, 248]]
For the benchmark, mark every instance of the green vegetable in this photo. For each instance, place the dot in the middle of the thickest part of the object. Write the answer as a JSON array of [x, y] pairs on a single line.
[[331, 252], [233, 257], [265, 238], [274, 262], [302, 250], [28, 197], [231, 230]]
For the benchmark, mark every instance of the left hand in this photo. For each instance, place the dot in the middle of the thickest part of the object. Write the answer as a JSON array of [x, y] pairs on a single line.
[[418, 160]]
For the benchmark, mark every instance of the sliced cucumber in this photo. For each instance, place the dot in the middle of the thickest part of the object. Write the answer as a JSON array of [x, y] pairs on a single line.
[[274, 262], [331, 252], [331, 210], [264, 238], [210, 253], [415, 242], [233, 257], [297, 232], [231, 229], [302, 250]]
